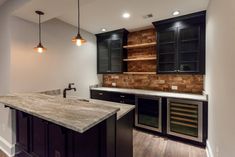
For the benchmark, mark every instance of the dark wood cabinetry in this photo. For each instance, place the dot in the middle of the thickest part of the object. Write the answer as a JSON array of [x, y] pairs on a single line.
[[124, 134], [39, 138], [153, 113], [110, 52], [181, 44], [113, 96], [23, 135], [57, 140]]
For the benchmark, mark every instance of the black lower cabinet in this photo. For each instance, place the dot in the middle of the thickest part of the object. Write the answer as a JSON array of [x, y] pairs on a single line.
[[83, 147], [57, 141], [39, 143], [124, 136], [179, 119], [39, 138], [113, 97], [22, 137]]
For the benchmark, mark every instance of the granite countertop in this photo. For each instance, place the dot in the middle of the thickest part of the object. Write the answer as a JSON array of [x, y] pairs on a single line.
[[124, 108], [154, 93], [70, 113]]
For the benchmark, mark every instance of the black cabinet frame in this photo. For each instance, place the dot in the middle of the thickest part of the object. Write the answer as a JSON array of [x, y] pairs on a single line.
[[107, 39], [177, 24]]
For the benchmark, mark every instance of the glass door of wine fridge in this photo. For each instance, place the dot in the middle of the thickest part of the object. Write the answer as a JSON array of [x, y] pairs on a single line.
[[148, 113], [184, 119]]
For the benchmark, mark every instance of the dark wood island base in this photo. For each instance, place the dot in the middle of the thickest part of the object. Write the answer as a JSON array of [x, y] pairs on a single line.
[[39, 138]]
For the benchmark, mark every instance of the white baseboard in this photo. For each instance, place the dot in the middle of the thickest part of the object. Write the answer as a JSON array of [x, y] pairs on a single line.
[[6, 147], [209, 152]]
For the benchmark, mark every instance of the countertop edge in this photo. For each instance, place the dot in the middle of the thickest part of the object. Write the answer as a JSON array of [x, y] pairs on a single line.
[[57, 122], [156, 93], [125, 113], [132, 107]]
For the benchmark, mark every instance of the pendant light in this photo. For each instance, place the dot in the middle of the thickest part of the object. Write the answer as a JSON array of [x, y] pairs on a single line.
[[78, 40], [40, 48]]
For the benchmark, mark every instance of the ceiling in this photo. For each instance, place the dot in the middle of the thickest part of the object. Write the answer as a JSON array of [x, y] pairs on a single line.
[[2, 1], [98, 14]]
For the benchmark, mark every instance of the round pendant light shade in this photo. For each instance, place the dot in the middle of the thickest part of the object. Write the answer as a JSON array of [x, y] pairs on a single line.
[[40, 48], [78, 40]]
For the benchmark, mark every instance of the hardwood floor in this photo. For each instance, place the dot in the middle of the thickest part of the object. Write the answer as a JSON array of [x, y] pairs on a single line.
[[2, 154], [147, 145]]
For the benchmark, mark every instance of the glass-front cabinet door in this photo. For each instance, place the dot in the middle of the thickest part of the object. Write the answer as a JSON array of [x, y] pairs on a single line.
[[148, 113], [185, 119]]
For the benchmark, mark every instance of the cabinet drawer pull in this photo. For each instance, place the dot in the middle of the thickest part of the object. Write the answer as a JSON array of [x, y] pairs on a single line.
[[122, 96], [101, 94]]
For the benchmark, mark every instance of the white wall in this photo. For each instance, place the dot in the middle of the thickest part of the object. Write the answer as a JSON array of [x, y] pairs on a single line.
[[63, 63], [23, 70], [220, 77], [6, 119]]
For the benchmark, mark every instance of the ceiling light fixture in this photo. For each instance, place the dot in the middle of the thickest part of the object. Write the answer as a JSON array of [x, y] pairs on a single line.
[[175, 13], [126, 15], [103, 30], [40, 48], [78, 40]]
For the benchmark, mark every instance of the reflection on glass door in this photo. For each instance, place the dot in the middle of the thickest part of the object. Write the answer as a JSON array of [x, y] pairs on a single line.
[[148, 113]]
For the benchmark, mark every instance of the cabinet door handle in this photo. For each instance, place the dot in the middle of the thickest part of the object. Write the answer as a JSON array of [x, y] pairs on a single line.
[[101, 94]]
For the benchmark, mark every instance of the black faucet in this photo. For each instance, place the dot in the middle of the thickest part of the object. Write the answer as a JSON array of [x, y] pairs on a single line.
[[67, 89]]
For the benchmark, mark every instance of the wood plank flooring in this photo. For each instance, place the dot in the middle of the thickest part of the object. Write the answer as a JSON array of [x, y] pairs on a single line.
[[147, 145], [2, 154]]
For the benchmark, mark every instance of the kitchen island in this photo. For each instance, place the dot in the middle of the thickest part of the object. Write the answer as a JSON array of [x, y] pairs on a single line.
[[49, 126]]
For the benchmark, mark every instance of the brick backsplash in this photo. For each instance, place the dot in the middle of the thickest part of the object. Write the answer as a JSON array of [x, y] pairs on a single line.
[[159, 82], [185, 83]]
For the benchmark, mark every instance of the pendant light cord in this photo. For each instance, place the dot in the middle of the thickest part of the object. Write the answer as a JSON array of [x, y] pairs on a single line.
[[40, 29], [78, 17]]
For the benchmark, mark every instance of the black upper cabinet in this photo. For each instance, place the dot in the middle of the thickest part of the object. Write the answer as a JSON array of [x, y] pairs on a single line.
[[110, 52], [181, 44]]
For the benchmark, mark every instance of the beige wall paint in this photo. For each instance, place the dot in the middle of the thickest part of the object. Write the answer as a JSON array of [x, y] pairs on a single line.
[[220, 77], [23, 70], [63, 62], [6, 117]]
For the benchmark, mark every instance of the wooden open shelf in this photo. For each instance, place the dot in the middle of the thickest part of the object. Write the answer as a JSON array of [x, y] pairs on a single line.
[[140, 73], [140, 45], [140, 59]]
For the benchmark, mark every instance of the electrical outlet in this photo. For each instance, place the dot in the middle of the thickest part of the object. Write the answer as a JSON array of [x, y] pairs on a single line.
[[114, 84], [174, 87]]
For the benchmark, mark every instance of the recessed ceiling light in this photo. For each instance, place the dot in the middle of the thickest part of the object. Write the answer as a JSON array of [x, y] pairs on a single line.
[[126, 15], [175, 13], [103, 30]]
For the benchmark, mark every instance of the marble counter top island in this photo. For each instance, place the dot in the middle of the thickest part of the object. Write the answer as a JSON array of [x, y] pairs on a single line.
[[69, 113], [124, 108]]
